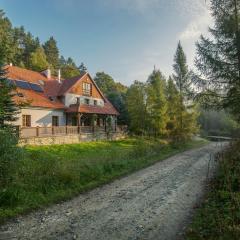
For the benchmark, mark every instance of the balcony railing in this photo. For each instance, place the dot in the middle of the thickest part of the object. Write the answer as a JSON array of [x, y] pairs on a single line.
[[28, 132]]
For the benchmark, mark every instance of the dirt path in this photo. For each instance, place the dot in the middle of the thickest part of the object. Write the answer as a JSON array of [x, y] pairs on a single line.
[[154, 203]]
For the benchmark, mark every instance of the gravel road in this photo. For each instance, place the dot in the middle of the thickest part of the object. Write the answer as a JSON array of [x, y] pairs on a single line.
[[153, 203]]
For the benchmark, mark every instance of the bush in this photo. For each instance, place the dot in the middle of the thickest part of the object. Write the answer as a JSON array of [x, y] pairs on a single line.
[[9, 154]]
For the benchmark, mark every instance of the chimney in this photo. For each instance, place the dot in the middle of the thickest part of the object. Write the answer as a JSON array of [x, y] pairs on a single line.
[[47, 73], [59, 75]]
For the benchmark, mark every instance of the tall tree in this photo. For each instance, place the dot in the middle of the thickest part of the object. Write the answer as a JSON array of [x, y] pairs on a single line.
[[52, 52], [8, 109], [218, 58], [183, 79], [82, 68], [7, 45], [137, 108], [157, 103], [38, 60]]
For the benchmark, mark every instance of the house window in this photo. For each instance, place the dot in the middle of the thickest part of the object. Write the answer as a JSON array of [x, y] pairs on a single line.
[[87, 89], [26, 120], [55, 121], [95, 102], [86, 100], [78, 100]]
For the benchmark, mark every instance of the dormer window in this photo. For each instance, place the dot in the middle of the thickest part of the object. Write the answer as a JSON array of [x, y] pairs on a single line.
[[87, 89]]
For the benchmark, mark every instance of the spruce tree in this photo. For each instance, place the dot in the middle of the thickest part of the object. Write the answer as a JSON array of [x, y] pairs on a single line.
[[157, 103], [52, 52], [82, 68], [218, 58], [8, 109]]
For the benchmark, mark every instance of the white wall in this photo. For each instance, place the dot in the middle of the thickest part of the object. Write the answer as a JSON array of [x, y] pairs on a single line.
[[42, 117], [71, 98]]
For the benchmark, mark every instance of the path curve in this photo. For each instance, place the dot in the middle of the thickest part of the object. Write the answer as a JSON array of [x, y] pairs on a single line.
[[153, 203]]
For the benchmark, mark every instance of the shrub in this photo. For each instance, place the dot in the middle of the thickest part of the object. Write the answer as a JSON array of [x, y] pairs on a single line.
[[9, 154]]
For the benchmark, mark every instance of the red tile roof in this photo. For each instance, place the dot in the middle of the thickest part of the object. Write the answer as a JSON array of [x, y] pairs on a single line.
[[36, 99], [84, 108], [52, 88]]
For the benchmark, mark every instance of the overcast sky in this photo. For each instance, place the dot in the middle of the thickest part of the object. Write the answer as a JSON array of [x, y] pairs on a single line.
[[124, 38]]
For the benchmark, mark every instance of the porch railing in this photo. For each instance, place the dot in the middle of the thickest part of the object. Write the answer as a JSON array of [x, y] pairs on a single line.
[[27, 132]]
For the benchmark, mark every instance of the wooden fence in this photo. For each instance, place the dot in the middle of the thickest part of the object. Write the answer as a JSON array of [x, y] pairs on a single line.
[[27, 132]]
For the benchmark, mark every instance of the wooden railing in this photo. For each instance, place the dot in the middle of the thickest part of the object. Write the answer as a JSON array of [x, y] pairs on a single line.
[[27, 132]]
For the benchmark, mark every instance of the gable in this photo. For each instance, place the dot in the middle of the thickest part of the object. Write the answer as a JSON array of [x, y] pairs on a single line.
[[78, 88]]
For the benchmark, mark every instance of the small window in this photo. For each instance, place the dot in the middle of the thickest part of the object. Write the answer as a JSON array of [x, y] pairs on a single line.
[[87, 89], [26, 120], [55, 121], [78, 100], [95, 102], [86, 100]]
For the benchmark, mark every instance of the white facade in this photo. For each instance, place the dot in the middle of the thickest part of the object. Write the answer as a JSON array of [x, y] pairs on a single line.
[[71, 98], [42, 117]]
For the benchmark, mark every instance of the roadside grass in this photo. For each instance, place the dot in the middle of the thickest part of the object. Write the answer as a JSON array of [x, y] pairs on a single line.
[[49, 174], [219, 215]]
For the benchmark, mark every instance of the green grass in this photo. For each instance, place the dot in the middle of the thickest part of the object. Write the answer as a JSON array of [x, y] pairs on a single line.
[[49, 174], [218, 218]]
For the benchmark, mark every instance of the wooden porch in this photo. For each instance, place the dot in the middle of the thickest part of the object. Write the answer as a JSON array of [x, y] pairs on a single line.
[[28, 132]]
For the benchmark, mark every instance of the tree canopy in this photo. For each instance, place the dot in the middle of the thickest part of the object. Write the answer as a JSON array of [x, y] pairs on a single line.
[[218, 58]]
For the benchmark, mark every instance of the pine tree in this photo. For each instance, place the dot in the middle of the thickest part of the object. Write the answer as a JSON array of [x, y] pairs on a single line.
[[7, 44], [184, 82], [52, 52], [8, 109], [157, 103], [82, 68], [218, 58]]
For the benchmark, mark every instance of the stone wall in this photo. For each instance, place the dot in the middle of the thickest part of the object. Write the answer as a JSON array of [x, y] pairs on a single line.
[[70, 139]]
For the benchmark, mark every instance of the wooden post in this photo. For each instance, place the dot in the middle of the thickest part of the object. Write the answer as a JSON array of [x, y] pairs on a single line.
[[66, 130], [52, 130], [37, 131]]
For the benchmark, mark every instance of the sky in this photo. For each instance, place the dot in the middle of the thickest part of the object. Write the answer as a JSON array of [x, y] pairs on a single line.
[[124, 38]]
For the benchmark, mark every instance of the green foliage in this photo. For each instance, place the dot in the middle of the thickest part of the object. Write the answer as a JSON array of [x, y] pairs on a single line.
[[115, 92], [9, 155], [218, 123], [219, 215], [157, 104], [52, 52], [68, 68], [7, 45], [137, 107], [8, 109], [82, 68], [218, 58], [48, 174], [38, 60]]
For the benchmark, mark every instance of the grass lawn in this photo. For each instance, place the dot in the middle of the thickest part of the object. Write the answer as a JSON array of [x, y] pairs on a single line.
[[218, 218], [48, 174]]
